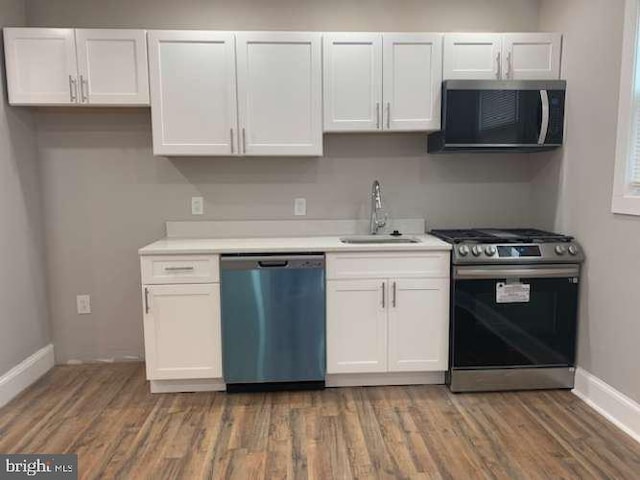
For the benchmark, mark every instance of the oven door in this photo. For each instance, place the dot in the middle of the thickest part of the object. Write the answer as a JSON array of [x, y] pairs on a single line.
[[515, 316]]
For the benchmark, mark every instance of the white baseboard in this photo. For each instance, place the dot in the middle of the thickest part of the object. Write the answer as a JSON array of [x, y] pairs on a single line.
[[25, 373], [193, 385], [616, 407], [383, 379]]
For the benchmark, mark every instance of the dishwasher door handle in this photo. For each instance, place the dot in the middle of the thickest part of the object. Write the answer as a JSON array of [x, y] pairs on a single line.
[[261, 261], [273, 263]]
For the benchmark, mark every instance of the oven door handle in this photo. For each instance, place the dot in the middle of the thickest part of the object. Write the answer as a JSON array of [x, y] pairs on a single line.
[[475, 273]]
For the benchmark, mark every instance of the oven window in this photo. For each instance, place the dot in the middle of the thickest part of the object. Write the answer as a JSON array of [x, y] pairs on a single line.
[[537, 332]]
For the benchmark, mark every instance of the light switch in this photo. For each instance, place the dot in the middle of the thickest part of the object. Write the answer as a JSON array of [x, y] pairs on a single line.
[[197, 206], [300, 207]]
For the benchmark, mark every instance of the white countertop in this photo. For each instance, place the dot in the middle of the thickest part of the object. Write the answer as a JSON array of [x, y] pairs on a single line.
[[180, 246]]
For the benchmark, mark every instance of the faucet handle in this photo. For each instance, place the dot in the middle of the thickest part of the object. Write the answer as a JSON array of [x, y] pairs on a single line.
[[385, 218]]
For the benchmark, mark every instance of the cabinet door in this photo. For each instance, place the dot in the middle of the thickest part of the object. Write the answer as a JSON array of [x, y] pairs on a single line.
[[532, 56], [182, 331], [418, 325], [412, 81], [357, 326], [41, 66], [352, 64], [193, 92], [113, 66], [472, 56], [279, 93]]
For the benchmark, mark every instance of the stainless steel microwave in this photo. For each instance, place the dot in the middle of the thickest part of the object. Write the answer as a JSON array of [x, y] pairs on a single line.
[[496, 115]]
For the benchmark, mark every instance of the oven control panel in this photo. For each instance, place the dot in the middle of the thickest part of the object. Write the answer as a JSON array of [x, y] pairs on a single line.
[[517, 253]]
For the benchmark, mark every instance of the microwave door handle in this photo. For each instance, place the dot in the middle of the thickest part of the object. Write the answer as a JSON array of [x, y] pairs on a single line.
[[544, 125]]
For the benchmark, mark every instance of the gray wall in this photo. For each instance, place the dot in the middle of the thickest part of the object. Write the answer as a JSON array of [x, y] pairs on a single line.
[[105, 194], [23, 303], [349, 15], [610, 323]]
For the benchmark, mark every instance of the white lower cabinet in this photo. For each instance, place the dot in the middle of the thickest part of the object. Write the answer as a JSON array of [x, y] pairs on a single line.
[[387, 313], [356, 326], [418, 325], [182, 331], [387, 325]]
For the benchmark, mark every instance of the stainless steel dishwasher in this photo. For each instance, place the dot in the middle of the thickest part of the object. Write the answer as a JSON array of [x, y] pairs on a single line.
[[273, 321]]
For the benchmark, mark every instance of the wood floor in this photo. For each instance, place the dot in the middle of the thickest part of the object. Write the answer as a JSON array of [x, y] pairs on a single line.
[[106, 415]]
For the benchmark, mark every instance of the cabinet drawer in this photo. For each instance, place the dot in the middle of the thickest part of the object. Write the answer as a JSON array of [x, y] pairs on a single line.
[[172, 269], [388, 265]]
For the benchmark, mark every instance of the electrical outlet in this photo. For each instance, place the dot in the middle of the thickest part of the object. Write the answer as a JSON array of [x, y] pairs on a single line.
[[197, 206], [83, 304], [300, 207]]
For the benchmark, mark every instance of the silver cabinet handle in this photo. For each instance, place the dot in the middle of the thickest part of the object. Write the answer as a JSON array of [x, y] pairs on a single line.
[[378, 115], [384, 294], [83, 93], [498, 65], [388, 115], [146, 300], [178, 269], [394, 294], [244, 141], [509, 72], [231, 135], [73, 89]]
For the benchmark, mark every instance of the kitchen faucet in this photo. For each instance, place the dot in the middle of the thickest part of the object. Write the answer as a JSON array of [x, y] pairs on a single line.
[[376, 209]]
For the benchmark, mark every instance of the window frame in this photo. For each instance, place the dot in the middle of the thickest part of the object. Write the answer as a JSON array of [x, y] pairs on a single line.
[[626, 200]]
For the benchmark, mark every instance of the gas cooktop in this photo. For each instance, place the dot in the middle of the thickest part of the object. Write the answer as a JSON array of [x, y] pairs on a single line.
[[500, 235], [510, 246]]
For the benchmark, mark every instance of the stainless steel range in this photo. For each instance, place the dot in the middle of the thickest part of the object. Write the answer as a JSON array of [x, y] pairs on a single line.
[[514, 306]]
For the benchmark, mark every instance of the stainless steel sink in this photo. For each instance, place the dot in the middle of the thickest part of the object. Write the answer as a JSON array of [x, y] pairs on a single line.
[[378, 239]]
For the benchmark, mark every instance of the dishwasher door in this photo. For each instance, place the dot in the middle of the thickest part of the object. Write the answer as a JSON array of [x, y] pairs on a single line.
[[273, 318]]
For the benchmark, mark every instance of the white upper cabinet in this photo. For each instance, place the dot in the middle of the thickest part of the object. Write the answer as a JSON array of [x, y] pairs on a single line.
[[280, 93], [389, 81], [41, 66], [531, 56], [508, 56], [470, 56], [63, 66], [112, 67], [352, 82], [193, 92], [412, 81], [418, 325]]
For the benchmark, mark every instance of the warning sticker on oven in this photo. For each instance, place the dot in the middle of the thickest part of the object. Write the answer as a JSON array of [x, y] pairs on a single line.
[[513, 293]]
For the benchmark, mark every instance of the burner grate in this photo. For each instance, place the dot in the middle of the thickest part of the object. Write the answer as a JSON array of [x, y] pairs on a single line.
[[498, 235]]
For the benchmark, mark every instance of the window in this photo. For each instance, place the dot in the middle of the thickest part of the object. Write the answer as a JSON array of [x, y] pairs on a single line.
[[626, 192]]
